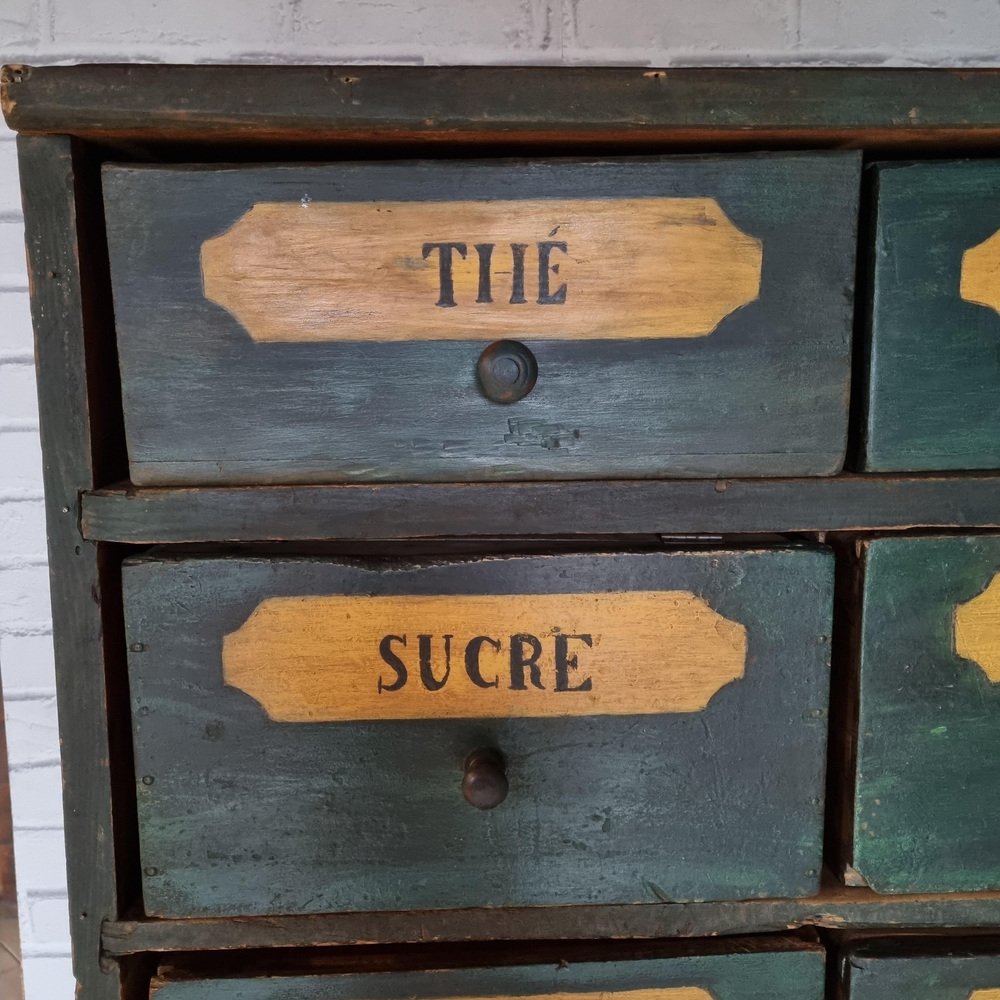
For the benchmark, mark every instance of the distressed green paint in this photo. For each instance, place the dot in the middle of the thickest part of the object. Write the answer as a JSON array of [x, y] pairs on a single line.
[[242, 815], [939, 977], [934, 394], [793, 975], [927, 814], [764, 394]]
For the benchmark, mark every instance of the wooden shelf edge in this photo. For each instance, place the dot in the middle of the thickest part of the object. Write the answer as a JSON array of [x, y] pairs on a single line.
[[840, 909], [426, 510], [378, 103]]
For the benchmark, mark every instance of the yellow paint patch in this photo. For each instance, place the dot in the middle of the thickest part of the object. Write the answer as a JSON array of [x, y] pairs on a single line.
[[678, 993], [992, 994], [977, 633], [587, 269], [339, 658], [980, 281]]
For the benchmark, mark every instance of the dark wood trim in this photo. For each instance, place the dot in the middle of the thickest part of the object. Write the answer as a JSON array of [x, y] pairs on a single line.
[[345, 959], [250, 104], [423, 510], [48, 168], [835, 909]]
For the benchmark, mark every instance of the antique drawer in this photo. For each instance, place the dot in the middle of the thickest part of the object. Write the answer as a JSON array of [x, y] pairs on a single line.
[[758, 975], [685, 316], [934, 396], [301, 727], [954, 976], [928, 753]]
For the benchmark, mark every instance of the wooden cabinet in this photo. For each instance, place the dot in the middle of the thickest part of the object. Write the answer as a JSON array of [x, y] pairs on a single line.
[[928, 751], [484, 319], [793, 973], [302, 726], [935, 317], [958, 973], [485, 560]]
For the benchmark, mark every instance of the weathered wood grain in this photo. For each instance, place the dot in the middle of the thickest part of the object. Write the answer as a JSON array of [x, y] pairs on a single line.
[[569, 268], [423, 510], [456, 656], [762, 975], [54, 235], [926, 812], [942, 976], [243, 815], [764, 394], [935, 347], [389, 104], [835, 908], [977, 630], [980, 273], [297, 986]]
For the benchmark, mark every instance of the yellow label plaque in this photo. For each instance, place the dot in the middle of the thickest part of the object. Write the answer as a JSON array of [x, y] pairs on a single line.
[[674, 993], [677, 993], [977, 633], [980, 281], [469, 270], [340, 658]]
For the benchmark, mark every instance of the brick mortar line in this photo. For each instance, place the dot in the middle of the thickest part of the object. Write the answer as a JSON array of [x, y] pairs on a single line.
[[24, 562], [26, 628]]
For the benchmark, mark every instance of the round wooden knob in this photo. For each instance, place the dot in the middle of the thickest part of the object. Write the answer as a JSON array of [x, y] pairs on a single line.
[[507, 371], [485, 782]]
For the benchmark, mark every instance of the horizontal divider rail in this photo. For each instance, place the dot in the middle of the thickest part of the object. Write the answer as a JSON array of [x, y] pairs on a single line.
[[836, 908], [425, 510]]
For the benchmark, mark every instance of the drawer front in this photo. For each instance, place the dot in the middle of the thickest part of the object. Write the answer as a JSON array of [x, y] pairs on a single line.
[[791, 975], [302, 725], [942, 977], [935, 327], [677, 316], [926, 811]]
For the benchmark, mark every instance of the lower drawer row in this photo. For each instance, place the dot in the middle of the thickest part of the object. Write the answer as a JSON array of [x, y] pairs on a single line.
[[321, 735], [798, 973]]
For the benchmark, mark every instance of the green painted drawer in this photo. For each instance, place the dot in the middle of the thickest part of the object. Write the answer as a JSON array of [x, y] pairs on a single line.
[[687, 316], [788, 975], [927, 810], [941, 977], [934, 394], [301, 727]]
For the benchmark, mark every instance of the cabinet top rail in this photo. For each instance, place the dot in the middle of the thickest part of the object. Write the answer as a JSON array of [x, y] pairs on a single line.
[[570, 105]]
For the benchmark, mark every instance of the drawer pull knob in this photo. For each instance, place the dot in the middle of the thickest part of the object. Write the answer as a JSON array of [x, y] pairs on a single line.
[[507, 371], [485, 782]]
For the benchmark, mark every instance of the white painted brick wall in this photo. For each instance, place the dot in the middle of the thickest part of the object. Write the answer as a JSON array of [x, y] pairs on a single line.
[[15, 314], [654, 32]]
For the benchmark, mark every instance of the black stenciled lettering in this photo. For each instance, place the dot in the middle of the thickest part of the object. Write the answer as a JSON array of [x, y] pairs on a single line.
[[545, 298], [485, 252], [519, 662], [517, 273], [446, 294], [426, 667], [565, 663], [385, 651], [472, 666]]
